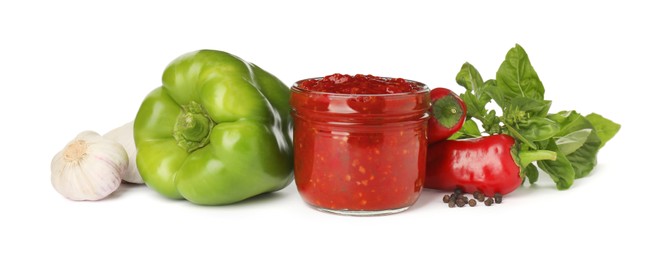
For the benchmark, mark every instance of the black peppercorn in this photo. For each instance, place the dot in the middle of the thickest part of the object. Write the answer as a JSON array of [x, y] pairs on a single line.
[[453, 197], [489, 201], [479, 196], [461, 196], [446, 198], [460, 202], [498, 198], [472, 203]]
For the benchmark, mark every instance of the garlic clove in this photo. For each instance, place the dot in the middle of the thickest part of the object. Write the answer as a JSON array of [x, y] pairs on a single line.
[[89, 167], [124, 136]]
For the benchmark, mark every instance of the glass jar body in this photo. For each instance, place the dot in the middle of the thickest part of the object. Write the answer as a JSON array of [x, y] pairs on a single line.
[[360, 154]]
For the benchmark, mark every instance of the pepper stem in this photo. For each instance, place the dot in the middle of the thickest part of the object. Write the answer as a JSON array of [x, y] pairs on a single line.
[[527, 157], [447, 111], [193, 127]]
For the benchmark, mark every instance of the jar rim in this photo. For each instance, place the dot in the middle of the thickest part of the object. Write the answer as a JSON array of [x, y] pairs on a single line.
[[423, 89]]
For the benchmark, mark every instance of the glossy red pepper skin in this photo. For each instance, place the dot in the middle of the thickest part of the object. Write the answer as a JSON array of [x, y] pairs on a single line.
[[448, 113], [484, 164]]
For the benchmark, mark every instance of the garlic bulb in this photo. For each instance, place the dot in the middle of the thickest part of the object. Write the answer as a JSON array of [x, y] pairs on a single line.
[[89, 167], [124, 136]]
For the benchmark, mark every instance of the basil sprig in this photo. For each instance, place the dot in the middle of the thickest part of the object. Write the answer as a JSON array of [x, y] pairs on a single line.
[[520, 96]]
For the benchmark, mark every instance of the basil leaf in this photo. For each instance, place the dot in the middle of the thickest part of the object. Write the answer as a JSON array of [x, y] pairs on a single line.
[[469, 78], [532, 173], [468, 130], [571, 142], [584, 158], [538, 129], [530, 107], [563, 117], [475, 97], [494, 92], [605, 128], [520, 138], [570, 121], [473, 107], [560, 170], [542, 144], [517, 78], [491, 123]]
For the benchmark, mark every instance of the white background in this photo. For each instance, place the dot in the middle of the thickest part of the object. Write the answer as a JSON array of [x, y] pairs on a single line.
[[69, 66]]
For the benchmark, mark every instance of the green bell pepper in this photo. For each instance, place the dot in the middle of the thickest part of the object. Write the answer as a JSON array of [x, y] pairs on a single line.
[[217, 131]]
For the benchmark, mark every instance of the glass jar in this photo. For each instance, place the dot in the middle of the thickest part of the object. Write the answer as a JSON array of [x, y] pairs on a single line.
[[360, 154]]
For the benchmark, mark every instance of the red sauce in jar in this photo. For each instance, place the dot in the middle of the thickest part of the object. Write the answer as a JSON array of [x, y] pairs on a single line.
[[359, 84], [359, 142]]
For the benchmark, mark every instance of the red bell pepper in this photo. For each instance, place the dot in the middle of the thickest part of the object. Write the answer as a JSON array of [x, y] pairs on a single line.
[[489, 164], [448, 113]]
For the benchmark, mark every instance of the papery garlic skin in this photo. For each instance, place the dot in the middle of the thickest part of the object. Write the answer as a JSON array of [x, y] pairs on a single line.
[[124, 136], [89, 167]]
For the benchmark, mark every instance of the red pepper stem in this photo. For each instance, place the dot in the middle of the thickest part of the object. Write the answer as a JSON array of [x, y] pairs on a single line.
[[527, 157], [448, 112]]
